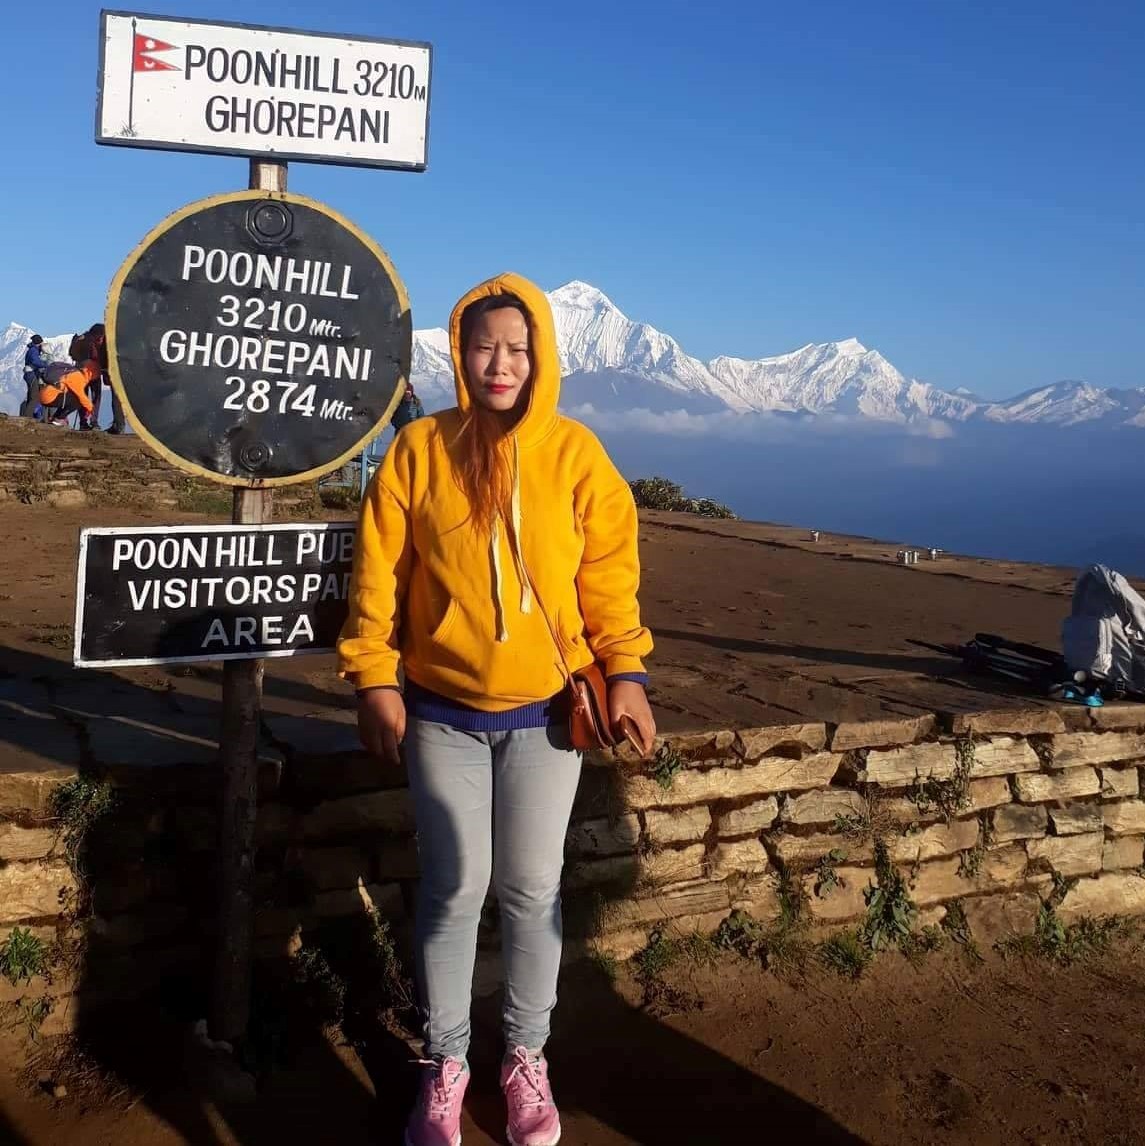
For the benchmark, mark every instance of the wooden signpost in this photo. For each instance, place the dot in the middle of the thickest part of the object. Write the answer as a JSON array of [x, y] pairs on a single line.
[[256, 339]]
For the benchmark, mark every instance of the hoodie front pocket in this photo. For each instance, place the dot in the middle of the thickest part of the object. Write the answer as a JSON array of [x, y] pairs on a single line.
[[442, 631], [570, 642]]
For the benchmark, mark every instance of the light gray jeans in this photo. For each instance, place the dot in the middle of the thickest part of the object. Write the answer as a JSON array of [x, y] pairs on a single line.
[[489, 805]]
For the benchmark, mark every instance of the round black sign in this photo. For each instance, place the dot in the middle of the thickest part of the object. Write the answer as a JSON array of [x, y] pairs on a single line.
[[258, 338]]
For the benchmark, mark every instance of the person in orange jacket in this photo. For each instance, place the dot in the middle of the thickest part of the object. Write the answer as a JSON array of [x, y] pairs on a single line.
[[65, 390]]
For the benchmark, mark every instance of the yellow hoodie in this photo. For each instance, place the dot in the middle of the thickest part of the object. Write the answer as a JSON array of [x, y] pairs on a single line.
[[454, 605]]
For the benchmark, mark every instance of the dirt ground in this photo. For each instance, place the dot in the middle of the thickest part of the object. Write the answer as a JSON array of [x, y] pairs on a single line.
[[754, 624], [945, 1053]]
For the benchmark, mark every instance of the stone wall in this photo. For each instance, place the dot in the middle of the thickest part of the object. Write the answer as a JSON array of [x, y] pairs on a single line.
[[985, 811]]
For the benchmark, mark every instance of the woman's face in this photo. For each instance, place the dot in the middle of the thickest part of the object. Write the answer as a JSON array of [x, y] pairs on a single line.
[[498, 361]]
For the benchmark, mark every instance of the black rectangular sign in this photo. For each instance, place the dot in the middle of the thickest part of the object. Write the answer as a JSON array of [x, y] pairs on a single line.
[[177, 594]]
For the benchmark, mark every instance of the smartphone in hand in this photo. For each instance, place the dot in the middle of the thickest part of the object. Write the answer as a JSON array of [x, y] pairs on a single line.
[[626, 726]]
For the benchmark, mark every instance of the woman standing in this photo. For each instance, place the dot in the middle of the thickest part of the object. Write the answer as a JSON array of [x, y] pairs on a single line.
[[490, 533]]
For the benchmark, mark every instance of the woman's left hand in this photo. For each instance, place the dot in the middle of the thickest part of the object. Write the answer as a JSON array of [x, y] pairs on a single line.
[[627, 698]]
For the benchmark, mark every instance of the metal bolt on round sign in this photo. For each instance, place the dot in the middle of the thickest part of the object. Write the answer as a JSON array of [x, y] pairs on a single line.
[[258, 338]]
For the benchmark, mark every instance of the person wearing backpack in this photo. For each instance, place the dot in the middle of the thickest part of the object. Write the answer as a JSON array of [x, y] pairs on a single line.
[[34, 366], [409, 409], [91, 346], [64, 390]]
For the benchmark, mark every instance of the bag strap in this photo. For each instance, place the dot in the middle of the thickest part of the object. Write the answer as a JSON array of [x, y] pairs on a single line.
[[597, 718]]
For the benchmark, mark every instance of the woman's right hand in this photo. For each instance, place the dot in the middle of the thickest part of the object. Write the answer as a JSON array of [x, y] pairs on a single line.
[[382, 722]]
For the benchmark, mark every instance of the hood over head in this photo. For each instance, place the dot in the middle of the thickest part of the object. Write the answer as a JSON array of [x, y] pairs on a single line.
[[545, 387], [539, 418]]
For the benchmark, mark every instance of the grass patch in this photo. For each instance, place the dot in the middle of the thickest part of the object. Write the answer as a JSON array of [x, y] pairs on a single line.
[[666, 765], [970, 863], [889, 922], [743, 935], [79, 808], [23, 956], [27, 1016], [826, 875], [781, 946], [947, 797], [655, 958], [793, 899], [847, 954], [873, 822], [956, 927], [339, 497], [918, 944], [288, 1006], [1064, 945], [787, 950], [890, 911], [361, 949], [319, 990], [347, 976], [193, 498], [700, 948], [852, 825], [1057, 942], [650, 965]]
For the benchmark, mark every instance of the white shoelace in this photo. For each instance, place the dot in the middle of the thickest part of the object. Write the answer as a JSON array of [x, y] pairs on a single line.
[[527, 1071], [440, 1093]]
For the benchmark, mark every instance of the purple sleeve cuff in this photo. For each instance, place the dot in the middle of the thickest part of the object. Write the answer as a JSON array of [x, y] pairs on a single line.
[[640, 678]]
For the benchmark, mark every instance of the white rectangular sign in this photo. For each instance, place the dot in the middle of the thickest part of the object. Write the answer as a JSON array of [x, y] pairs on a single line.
[[242, 89]]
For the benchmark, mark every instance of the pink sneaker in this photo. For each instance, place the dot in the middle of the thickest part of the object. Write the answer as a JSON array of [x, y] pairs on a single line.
[[533, 1117], [436, 1119]]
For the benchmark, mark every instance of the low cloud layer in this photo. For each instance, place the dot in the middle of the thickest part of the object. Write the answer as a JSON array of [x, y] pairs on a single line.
[[728, 424]]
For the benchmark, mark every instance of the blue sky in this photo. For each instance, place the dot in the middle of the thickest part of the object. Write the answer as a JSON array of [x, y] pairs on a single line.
[[958, 184]]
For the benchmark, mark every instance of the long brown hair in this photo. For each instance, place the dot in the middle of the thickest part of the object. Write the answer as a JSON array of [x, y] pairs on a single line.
[[479, 459]]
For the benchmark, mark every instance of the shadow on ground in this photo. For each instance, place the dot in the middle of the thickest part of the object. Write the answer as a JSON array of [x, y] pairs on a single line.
[[893, 662], [645, 1081], [622, 1075]]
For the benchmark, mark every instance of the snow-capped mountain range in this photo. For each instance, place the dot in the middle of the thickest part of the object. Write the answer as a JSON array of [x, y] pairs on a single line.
[[612, 363]]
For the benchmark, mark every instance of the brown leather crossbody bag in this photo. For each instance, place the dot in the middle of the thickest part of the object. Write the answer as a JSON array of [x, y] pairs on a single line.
[[589, 725]]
